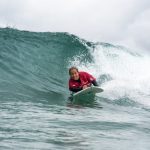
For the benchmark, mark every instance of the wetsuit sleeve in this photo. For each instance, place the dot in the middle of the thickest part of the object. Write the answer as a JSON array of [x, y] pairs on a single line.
[[94, 82], [72, 88], [89, 77], [75, 89]]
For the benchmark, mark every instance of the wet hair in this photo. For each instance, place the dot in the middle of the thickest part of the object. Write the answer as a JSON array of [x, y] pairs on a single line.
[[70, 69]]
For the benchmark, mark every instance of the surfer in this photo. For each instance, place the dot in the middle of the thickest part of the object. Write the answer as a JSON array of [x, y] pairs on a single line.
[[80, 80]]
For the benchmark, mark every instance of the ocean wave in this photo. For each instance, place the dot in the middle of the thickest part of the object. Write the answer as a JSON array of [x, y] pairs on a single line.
[[35, 65]]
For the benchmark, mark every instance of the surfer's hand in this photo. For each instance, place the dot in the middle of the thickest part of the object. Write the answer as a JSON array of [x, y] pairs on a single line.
[[85, 86]]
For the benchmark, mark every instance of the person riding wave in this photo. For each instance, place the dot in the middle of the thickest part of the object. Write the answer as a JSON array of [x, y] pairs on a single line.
[[80, 80]]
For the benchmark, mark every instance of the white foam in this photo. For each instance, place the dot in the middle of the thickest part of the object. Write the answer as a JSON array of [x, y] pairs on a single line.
[[129, 72]]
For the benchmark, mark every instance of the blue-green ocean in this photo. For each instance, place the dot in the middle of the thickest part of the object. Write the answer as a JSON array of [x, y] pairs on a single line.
[[34, 112]]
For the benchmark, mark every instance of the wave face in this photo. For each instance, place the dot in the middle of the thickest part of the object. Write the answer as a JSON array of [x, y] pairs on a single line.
[[33, 66], [34, 89]]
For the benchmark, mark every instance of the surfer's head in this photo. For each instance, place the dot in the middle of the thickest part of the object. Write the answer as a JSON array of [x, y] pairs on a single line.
[[74, 73]]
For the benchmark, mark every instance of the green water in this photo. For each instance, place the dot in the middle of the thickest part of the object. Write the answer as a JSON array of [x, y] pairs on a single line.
[[34, 113]]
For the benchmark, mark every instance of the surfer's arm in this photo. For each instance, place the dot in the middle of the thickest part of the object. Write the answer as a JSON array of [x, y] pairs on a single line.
[[94, 82], [73, 89], [91, 79]]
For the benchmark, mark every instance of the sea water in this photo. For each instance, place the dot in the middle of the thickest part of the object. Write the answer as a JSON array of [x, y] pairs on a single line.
[[34, 113]]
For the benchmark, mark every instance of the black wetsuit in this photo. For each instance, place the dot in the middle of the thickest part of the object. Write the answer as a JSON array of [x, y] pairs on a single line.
[[80, 88]]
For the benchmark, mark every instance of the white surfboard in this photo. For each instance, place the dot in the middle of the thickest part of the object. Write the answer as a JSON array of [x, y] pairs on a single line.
[[86, 94]]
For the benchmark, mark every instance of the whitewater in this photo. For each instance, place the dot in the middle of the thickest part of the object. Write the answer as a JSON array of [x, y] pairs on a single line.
[[34, 113]]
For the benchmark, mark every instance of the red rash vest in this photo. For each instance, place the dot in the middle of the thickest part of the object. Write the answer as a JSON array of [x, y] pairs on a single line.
[[85, 79]]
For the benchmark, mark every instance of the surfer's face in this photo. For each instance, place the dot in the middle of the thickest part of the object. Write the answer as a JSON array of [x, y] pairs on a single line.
[[74, 74]]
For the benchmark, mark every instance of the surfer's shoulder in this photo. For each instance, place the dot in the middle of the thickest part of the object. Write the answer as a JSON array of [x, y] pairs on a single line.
[[82, 72]]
